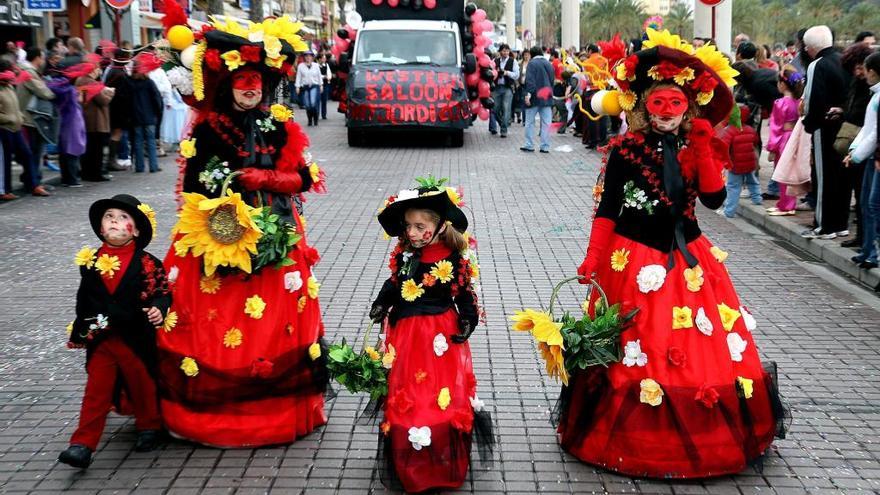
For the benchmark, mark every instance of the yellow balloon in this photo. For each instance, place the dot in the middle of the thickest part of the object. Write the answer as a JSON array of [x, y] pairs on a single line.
[[180, 37], [610, 104]]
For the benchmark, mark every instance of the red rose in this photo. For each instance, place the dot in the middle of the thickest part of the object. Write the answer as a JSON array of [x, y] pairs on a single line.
[[677, 357], [667, 70], [400, 402], [250, 53], [462, 420], [212, 59], [708, 396], [704, 83], [311, 255], [261, 368]]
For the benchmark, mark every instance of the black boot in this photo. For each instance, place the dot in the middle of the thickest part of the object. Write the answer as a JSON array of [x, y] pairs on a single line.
[[147, 440], [78, 456], [315, 117], [309, 115]]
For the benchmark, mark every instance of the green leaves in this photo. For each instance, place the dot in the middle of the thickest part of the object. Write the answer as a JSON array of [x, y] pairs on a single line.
[[431, 182], [357, 372], [278, 239], [594, 341]]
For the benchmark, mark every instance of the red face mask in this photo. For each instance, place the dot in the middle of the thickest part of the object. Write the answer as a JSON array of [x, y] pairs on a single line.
[[667, 102], [247, 80]]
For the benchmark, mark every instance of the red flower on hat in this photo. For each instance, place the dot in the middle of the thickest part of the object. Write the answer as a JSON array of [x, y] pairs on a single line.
[[708, 396], [630, 65], [250, 53], [212, 59], [667, 70], [704, 83]]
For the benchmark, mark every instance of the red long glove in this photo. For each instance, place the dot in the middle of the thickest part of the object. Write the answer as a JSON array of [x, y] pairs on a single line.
[[699, 161], [598, 247], [272, 180]]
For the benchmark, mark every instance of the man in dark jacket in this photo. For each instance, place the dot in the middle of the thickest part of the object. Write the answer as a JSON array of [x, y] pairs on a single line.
[[538, 99], [146, 114], [826, 88]]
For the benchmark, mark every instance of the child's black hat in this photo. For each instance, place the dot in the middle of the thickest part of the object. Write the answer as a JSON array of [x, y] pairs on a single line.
[[432, 195], [130, 205]]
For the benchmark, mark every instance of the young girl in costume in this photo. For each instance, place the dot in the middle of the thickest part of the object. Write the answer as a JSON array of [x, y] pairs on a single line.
[[690, 397], [432, 411], [782, 120]]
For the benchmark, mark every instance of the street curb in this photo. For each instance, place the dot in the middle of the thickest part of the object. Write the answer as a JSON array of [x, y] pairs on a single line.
[[828, 251]]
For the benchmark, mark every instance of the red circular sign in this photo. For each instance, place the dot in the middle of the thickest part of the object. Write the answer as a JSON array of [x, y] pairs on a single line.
[[119, 4], [711, 3]]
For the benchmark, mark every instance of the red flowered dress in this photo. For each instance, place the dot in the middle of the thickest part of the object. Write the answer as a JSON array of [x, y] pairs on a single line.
[[432, 412], [691, 397]]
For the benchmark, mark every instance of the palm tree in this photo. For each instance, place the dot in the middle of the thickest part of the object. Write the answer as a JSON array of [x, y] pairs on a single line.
[[494, 9], [680, 20], [603, 18], [748, 18], [549, 26]]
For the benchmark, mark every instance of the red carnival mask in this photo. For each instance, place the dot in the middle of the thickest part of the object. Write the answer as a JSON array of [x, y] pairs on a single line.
[[667, 102], [247, 80]]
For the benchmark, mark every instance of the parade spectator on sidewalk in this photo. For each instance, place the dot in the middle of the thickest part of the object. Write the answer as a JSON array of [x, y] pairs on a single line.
[[508, 73], [75, 51], [33, 87], [11, 120], [72, 134], [96, 114], [826, 88], [327, 83], [309, 82], [743, 145], [539, 100], [782, 121], [519, 104], [116, 77], [146, 112]]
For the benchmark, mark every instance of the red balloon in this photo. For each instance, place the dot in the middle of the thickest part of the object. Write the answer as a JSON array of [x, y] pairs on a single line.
[[473, 78], [393, 3], [484, 90], [376, 2], [483, 114], [430, 4], [476, 106], [478, 16], [483, 60]]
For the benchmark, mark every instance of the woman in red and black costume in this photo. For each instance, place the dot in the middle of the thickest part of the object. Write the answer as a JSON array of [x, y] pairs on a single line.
[[236, 370], [690, 398]]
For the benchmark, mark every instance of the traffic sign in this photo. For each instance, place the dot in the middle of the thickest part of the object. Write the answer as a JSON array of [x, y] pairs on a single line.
[[711, 3], [46, 5], [119, 4]]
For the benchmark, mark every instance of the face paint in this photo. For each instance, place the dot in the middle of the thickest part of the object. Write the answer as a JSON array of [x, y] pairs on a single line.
[[247, 79], [667, 102], [427, 235], [247, 89]]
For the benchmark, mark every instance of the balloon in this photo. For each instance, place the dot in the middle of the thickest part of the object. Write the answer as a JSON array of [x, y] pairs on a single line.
[[487, 74], [596, 102], [188, 56], [473, 94], [376, 2], [393, 3], [478, 15], [487, 26], [473, 78], [430, 4], [476, 29], [483, 89], [342, 33], [180, 37], [611, 103], [483, 114], [417, 4], [483, 60], [488, 102], [470, 8]]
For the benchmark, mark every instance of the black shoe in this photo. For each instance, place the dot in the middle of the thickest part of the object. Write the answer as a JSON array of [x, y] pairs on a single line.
[[159, 169], [768, 196], [857, 259], [590, 146], [868, 265], [577, 134], [528, 150], [493, 132], [147, 440], [504, 134], [545, 151], [77, 456], [851, 243]]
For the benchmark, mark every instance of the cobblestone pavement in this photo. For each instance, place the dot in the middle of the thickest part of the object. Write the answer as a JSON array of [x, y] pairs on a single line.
[[531, 214]]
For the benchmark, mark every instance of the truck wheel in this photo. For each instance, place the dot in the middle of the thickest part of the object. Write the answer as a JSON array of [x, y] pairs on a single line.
[[355, 137], [456, 138]]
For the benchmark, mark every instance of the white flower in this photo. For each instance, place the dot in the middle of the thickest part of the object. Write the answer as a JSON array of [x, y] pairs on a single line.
[[704, 324], [181, 78], [420, 437], [748, 319], [736, 345], [633, 355], [651, 277], [407, 194], [255, 37], [477, 404], [100, 323], [293, 281], [172, 274], [440, 344]]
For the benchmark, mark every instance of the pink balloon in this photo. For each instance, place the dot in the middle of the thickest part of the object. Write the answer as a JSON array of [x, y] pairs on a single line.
[[476, 29], [478, 16], [487, 26], [473, 78], [430, 4], [476, 106], [376, 2], [483, 89], [393, 3], [483, 114], [483, 60]]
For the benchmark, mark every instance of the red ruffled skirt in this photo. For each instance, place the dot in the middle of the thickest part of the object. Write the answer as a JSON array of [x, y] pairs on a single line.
[[230, 379], [691, 398], [430, 385]]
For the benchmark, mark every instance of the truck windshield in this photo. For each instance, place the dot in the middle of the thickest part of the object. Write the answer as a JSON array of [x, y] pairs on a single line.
[[407, 47]]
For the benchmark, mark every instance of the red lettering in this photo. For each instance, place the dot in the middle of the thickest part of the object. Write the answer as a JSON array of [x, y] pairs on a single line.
[[443, 113], [409, 113], [371, 92], [422, 113], [442, 78], [387, 92], [403, 76], [416, 92], [401, 94], [372, 76]]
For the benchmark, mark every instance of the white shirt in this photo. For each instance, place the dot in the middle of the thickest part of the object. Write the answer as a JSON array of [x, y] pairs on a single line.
[[308, 75], [865, 143]]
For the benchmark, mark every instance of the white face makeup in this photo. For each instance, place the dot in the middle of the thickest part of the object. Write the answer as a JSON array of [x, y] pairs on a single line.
[[247, 99], [666, 124]]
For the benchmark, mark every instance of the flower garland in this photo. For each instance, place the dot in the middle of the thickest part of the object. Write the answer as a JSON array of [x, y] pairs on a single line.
[[223, 125], [198, 71]]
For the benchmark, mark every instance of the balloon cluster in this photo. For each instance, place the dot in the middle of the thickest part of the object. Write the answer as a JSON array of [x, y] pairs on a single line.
[[414, 4], [343, 41], [482, 73]]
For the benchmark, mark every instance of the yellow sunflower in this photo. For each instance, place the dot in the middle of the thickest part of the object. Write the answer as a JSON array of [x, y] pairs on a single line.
[[209, 284], [704, 97], [222, 230], [107, 265], [453, 196], [667, 39], [443, 271], [547, 331], [682, 317], [189, 367], [554, 361], [619, 259], [410, 291], [686, 74], [150, 213], [85, 257], [372, 352], [170, 321], [232, 338], [627, 100], [728, 316], [716, 61], [254, 307], [443, 398], [524, 321]]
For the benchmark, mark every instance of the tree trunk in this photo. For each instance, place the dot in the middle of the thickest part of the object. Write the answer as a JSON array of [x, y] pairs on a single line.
[[215, 7], [257, 10]]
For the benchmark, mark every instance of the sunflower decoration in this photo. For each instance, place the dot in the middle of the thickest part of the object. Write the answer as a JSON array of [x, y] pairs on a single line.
[[221, 230]]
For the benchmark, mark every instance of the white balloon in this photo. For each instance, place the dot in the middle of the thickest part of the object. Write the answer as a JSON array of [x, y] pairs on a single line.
[[596, 102], [188, 56], [354, 20]]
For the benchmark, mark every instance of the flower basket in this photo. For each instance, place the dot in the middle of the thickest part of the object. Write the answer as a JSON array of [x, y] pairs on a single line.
[[568, 343], [366, 371]]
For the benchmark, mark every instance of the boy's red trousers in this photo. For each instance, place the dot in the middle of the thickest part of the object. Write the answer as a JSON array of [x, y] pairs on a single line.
[[111, 357]]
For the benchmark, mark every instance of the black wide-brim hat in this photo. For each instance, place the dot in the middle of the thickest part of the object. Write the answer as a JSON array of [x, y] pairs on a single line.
[[392, 217], [128, 204]]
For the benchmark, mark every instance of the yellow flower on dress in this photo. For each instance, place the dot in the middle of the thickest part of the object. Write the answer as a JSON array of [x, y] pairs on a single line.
[[170, 321], [189, 366], [619, 259], [554, 361], [694, 278], [254, 307], [650, 392], [210, 284], [389, 357], [275, 63], [686, 74], [453, 196], [85, 257], [301, 304], [233, 59], [443, 398], [188, 148], [221, 230], [704, 97], [69, 328], [443, 270], [150, 213], [728, 316], [410, 291], [315, 351], [372, 352], [232, 338], [747, 386], [313, 287], [107, 265], [718, 253], [682, 317], [280, 112], [315, 174], [627, 100]]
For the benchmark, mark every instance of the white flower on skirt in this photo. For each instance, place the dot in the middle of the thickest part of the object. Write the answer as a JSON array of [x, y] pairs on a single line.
[[748, 319], [293, 281], [440, 345], [736, 345], [477, 404], [420, 437], [172, 274], [651, 277], [633, 355], [704, 324]]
